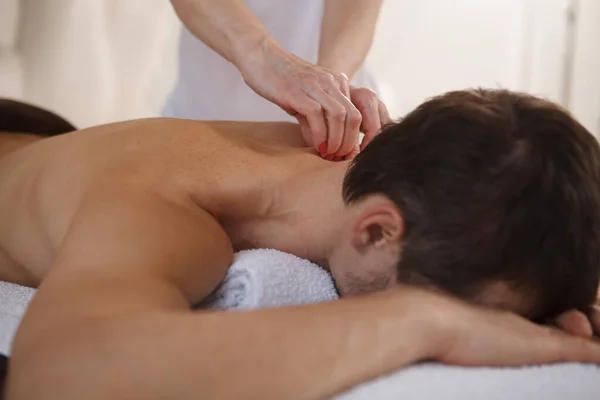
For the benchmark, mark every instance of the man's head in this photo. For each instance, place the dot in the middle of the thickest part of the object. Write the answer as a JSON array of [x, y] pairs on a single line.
[[488, 194]]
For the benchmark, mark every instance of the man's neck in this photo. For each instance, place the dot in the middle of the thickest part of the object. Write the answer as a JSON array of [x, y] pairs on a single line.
[[300, 216]]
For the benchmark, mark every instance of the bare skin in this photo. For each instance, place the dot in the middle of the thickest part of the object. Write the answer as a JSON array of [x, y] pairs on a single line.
[[57, 172], [124, 226]]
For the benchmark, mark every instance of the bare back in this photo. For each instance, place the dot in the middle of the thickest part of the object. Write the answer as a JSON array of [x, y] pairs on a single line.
[[43, 183]]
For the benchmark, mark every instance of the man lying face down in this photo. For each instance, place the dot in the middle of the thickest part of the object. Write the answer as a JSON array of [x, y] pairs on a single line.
[[486, 196], [497, 198]]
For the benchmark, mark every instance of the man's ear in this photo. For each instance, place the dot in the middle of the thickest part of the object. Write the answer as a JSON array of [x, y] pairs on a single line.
[[378, 225]]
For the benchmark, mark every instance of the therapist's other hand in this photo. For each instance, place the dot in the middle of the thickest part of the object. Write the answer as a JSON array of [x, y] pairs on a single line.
[[374, 116], [374, 113], [319, 98]]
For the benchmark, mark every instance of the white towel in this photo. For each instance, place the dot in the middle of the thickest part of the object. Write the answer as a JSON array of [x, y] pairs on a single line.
[[441, 382], [14, 300], [268, 278]]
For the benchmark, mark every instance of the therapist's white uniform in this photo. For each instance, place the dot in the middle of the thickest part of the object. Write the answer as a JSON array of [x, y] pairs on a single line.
[[211, 88]]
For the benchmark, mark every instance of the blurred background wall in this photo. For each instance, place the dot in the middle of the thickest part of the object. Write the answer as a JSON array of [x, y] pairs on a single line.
[[546, 47], [106, 60]]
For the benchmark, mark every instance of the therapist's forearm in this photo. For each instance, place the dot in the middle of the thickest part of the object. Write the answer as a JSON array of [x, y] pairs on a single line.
[[347, 33], [228, 27]]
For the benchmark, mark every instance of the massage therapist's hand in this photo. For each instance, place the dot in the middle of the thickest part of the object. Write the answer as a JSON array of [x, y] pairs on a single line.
[[470, 335], [374, 115], [321, 99], [330, 111]]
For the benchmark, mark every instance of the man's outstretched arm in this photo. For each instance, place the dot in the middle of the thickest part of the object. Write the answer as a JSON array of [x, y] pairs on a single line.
[[112, 321]]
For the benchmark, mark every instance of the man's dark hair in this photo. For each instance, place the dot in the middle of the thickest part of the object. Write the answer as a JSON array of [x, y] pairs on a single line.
[[492, 185]]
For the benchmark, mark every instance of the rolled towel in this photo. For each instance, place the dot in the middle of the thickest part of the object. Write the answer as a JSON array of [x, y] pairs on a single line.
[[269, 278], [14, 300]]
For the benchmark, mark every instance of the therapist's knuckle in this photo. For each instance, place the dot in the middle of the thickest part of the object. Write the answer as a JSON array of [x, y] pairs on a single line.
[[330, 80], [342, 79], [314, 109], [338, 114], [367, 95], [354, 118]]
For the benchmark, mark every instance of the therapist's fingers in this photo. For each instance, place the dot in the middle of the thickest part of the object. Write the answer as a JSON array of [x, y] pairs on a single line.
[[312, 113], [374, 112], [384, 114], [335, 117], [344, 83], [352, 124], [384, 119], [355, 150], [368, 104]]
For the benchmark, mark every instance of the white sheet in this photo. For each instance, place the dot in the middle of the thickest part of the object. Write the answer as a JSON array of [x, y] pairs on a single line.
[[427, 381]]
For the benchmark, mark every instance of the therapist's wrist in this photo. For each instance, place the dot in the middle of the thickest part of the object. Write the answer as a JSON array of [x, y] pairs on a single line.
[[340, 65], [252, 48]]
